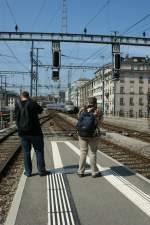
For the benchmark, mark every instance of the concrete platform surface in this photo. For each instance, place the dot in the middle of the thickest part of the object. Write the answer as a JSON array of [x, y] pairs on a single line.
[[119, 197]]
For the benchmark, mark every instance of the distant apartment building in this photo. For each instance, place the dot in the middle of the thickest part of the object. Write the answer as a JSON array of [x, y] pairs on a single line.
[[7, 100], [73, 92], [129, 95]]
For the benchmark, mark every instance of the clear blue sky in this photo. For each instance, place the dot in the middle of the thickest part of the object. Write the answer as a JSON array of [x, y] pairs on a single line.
[[99, 17]]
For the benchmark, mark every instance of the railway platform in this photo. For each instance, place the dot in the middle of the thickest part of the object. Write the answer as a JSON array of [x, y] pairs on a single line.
[[119, 197], [136, 124]]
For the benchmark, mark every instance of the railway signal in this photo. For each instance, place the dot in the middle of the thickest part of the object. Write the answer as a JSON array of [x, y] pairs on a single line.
[[56, 53], [116, 62]]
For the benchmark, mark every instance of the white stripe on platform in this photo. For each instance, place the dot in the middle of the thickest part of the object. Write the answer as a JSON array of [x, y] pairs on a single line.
[[48, 197], [134, 194], [12, 214], [56, 156], [57, 193]]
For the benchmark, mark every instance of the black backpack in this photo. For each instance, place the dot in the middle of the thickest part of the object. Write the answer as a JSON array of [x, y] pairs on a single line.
[[86, 124], [24, 120]]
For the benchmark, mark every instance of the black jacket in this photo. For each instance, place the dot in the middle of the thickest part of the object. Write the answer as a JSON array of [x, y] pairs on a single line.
[[33, 110]]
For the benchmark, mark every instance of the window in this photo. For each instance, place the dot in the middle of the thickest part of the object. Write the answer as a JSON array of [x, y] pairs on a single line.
[[135, 67], [121, 90], [141, 80], [140, 101], [131, 90], [122, 81], [121, 113], [140, 113], [121, 101], [131, 81], [149, 80], [131, 113], [140, 90], [131, 101]]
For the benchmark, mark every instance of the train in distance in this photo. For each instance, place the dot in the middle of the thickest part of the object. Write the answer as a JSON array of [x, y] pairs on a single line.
[[67, 107]]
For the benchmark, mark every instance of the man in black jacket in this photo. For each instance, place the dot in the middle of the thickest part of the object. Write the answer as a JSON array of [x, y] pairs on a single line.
[[30, 132]]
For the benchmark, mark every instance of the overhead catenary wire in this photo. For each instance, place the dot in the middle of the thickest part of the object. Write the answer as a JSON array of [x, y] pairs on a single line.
[[135, 24], [15, 22], [13, 54], [126, 31], [11, 12], [42, 6], [98, 12], [54, 16]]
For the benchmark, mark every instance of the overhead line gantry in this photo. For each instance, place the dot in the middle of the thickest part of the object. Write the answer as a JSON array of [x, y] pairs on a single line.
[[78, 38]]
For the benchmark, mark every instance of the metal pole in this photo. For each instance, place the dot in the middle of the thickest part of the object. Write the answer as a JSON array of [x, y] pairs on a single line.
[[103, 89], [114, 98], [1, 121], [11, 116], [37, 58], [5, 92], [31, 56], [77, 98]]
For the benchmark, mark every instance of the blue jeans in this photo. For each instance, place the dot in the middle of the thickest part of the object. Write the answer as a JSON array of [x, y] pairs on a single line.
[[38, 145]]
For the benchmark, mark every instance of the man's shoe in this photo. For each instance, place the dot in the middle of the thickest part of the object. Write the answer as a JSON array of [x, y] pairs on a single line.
[[97, 175], [44, 173], [80, 175], [27, 174]]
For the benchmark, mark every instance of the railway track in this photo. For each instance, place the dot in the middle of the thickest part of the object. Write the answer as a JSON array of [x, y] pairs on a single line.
[[127, 132], [139, 164]]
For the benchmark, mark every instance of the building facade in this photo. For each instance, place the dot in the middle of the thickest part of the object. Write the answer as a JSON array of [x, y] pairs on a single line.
[[126, 97], [73, 92]]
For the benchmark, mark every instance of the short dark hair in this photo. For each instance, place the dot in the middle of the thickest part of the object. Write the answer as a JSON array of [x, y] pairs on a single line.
[[25, 94], [92, 101]]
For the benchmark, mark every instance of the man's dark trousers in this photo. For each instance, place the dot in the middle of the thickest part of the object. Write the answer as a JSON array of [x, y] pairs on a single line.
[[38, 145]]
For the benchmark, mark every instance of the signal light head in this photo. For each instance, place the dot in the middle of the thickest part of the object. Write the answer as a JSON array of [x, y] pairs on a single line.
[[55, 74], [117, 61], [56, 61]]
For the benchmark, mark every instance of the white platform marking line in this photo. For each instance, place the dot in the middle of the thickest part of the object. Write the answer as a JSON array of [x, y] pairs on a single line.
[[134, 194], [56, 200], [12, 214], [114, 160], [61, 177], [56, 156], [61, 192], [60, 203], [48, 199]]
